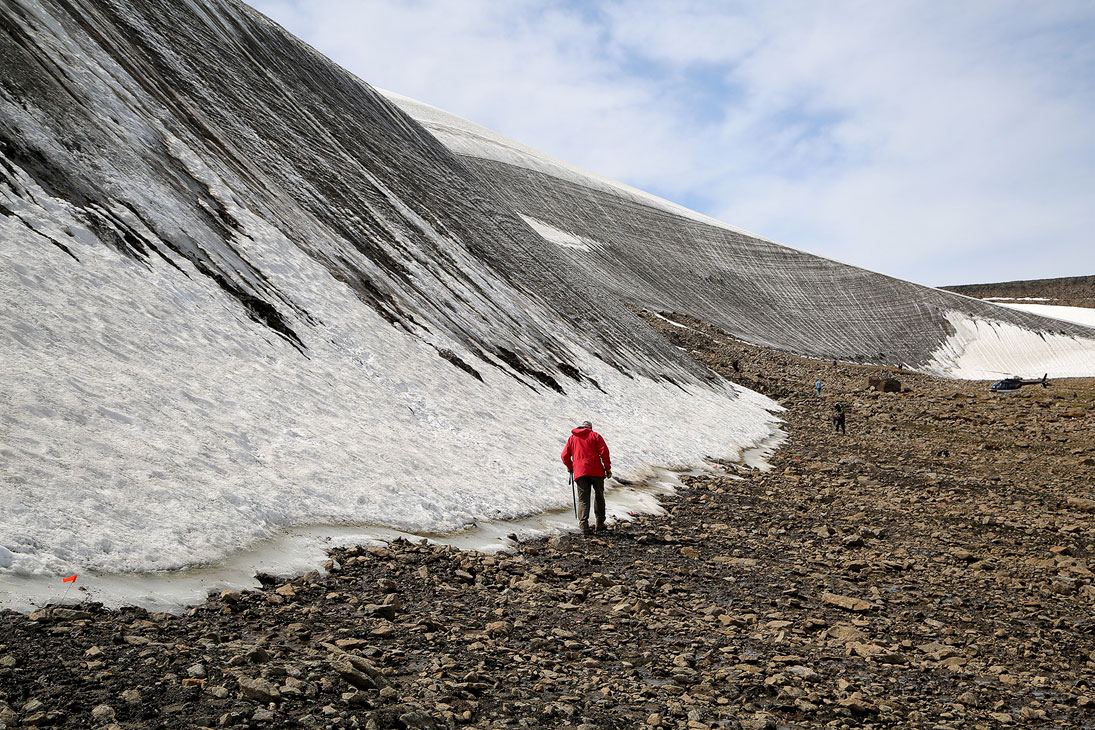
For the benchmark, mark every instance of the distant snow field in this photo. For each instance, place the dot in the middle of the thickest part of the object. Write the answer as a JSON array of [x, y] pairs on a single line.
[[1079, 315]]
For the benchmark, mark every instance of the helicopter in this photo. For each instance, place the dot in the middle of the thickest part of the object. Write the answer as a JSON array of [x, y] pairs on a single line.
[[1015, 383]]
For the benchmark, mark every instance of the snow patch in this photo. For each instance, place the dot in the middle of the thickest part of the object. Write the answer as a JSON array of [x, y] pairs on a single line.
[[675, 324], [558, 237], [983, 349], [1077, 315]]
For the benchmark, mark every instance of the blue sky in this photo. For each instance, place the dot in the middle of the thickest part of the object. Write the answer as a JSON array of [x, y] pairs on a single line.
[[939, 142]]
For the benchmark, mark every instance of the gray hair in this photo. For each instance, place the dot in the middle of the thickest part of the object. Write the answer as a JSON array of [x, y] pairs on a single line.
[[585, 424]]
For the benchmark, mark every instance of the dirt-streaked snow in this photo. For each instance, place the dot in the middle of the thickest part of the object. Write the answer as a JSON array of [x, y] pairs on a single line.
[[654, 253]]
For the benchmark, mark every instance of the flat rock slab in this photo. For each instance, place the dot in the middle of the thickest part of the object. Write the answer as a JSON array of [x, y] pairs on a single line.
[[848, 603]]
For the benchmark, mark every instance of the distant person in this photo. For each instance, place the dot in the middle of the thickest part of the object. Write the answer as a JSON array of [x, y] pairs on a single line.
[[586, 458], [818, 386], [838, 418]]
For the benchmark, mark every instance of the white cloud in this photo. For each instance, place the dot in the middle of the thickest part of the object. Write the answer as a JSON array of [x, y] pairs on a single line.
[[914, 139]]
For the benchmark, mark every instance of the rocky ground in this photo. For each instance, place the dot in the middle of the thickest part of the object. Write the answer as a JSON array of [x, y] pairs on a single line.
[[930, 569]]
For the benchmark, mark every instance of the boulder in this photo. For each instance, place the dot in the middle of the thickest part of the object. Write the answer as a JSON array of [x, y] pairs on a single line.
[[884, 384]]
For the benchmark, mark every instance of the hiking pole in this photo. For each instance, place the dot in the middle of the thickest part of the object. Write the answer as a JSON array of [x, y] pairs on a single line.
[[573, 493]]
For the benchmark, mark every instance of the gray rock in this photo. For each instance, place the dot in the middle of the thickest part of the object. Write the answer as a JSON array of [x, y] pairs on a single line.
[[419, 720], [361, 680], [103, 714]]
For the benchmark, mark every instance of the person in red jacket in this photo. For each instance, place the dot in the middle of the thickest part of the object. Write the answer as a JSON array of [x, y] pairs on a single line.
[[586, 457]]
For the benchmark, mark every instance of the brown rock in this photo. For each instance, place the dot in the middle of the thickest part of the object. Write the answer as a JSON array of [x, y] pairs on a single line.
[[848, 603], [1079, 503], [103, 714], [846, 633], [68, 614]]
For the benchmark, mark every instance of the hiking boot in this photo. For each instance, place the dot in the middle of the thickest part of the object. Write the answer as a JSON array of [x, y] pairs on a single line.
[[601, 527], [585, 528]]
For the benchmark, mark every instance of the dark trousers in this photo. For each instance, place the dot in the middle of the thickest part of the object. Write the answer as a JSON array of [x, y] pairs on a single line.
[[598, 486], [838, 424]]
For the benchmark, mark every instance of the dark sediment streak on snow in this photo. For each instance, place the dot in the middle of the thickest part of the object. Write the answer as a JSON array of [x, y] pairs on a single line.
[[305, 146]]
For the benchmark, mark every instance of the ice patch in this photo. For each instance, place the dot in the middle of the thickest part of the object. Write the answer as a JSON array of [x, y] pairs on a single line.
[[295, 551]]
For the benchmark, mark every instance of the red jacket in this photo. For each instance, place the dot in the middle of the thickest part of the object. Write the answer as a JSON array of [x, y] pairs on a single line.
[[586, 454]]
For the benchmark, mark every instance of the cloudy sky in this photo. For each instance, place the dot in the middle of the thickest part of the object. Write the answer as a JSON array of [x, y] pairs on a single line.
[[939, 142]]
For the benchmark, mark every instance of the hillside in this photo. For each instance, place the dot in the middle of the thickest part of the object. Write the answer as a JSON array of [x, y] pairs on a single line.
[[655, 254], [1072, 291]]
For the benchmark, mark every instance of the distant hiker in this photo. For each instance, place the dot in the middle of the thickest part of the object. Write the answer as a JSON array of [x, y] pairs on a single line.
[[586, 458], [737, 366], [818, 386], [838, 418]]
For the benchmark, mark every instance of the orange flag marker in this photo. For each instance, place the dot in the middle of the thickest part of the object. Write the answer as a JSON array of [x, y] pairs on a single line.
[[70, 579]]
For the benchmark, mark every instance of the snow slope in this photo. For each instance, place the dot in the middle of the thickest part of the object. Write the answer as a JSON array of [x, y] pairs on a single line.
[[241, 291], [987, 349]]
